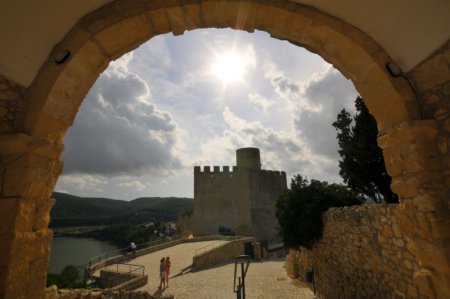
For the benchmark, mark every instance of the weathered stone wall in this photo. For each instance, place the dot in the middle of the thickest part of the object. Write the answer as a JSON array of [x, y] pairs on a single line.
[[221, 199], [362, 254], [185, 222], [119, 281], [54, 293], [418, 156], [265, 188], [10, 103]]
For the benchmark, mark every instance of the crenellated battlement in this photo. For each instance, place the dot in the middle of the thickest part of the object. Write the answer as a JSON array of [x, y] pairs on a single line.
[[234, 169]]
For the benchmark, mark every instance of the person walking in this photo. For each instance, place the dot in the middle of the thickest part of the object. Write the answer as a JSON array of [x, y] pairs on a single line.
[[162, 274], [133, 249], [167, 270]]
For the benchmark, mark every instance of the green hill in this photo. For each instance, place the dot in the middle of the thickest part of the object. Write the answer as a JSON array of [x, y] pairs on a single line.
[[71, 210]]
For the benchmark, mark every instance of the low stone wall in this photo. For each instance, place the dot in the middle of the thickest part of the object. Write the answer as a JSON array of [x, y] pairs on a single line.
[[121, 280], [53, 293], [224, 253], [362, 254], [132, 284]]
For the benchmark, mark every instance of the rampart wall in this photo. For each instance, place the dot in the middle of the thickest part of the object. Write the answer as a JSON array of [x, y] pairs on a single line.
[[362, 254], [225, 253]]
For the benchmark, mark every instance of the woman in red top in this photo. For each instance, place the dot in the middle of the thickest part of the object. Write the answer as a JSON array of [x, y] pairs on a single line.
[[167, 270]]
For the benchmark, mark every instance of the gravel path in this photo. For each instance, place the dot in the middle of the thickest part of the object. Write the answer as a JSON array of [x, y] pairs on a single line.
[[265, 279]]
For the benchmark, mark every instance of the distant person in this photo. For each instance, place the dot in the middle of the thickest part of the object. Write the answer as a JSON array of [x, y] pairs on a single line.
[[167, 270], [162, 274], [133, 248]]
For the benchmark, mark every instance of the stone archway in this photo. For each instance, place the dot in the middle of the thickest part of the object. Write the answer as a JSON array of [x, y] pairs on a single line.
[[30, 155]]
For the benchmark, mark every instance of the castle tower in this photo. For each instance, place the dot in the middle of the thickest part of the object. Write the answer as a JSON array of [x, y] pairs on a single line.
[[241, 198], [248, 157]]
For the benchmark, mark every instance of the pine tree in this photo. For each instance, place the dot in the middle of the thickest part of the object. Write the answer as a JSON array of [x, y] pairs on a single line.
[[362, 166]]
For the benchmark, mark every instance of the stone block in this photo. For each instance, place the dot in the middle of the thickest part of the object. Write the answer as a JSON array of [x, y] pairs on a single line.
[[13, 146], [215, 13], [125, 35], [41, 124], [193, 17], [28, 247], [29, 159], [51, 292], [440, 229], [31, 182], [176, 18], [22, 215], [9, 208], [159, 21], [422, 280], [241, 15], [5, 250], [74, 82], [432, 72], [267, 19]]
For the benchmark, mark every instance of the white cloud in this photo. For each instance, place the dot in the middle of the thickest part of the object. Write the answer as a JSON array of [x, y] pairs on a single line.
[[260, 101], [119, 131], [134, 185], [82, 182]]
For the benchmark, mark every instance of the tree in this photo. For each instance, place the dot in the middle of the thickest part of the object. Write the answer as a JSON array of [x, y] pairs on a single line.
[[299, 210], [362, 166], [68, 279]]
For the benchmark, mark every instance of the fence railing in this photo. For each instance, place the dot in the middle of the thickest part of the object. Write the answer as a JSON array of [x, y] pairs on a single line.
[[123, 251], [119, 255], [123, 273]]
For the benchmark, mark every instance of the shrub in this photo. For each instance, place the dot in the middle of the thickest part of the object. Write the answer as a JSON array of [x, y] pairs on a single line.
[[299, 210], [68, 279]]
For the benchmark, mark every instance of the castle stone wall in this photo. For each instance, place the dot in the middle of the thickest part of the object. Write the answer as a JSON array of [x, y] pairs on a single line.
[[221, 199], [362, 254], [242, 199], [265, 187]]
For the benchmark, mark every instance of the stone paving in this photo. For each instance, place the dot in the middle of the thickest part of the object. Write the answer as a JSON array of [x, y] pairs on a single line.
[[265, 279]]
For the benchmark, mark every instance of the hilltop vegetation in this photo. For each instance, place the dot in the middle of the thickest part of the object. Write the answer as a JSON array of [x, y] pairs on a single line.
[[71, 210]]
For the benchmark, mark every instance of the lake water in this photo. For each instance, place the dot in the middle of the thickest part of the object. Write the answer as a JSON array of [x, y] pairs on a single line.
[[76, 251]]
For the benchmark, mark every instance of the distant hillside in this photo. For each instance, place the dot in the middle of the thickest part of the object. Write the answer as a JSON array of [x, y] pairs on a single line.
[[71, 210]]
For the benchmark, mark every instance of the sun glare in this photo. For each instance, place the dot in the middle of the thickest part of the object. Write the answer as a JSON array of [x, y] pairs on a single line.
[[229, 67]]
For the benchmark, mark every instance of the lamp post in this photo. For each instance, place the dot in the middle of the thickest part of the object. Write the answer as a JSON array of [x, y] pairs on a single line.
[[239, 288]]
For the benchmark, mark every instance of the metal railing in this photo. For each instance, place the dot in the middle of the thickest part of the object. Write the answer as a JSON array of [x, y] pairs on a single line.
[[85, 275], [130, 271], [109, 256], [124, 251]]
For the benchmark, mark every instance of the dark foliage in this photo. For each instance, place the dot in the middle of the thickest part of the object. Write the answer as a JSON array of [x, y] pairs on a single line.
[[67, 279], [299, 210], [362, 166]]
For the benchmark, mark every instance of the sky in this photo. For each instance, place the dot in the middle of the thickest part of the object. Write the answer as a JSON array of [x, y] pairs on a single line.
[[177, 102]]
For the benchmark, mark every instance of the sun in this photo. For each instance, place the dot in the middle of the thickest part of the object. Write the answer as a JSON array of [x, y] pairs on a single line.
[[229, 67]]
